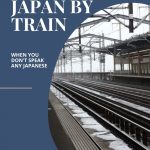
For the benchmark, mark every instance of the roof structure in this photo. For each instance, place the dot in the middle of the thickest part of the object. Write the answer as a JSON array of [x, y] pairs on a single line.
[[134, 44], [96, 43]]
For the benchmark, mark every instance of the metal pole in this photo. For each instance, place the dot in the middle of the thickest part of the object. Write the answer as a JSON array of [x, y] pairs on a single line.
[[149, 15], [80, 47], [149, 65], [129, 63], [121, 64], [61, 64], [114, 55], [114, 63], [139, 64], [64, 59], [120, 34], [71, 60], [131, 26], [82, 62], [90, 58], [100, 68], [103, 56], [64, 65]]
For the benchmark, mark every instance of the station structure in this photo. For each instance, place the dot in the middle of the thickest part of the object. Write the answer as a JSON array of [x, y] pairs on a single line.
[[103, 71], [131, 54]]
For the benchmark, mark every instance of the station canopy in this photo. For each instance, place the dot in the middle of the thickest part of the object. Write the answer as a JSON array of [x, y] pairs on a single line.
[[116, 30]]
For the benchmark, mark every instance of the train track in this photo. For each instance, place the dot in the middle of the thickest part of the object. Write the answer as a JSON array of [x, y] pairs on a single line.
[[130, 125], [129, 94], [121, 87], [136, 96]]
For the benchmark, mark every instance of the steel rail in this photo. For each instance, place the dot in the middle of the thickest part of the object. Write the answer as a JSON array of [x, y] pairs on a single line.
[[130, 130], [132, 113], [125, 94]]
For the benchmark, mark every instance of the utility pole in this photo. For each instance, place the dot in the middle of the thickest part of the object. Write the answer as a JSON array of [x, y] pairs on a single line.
[[80, 46], [100, 67], [120, 34], [149, 15], [114, 58], [82, 62], [61, 64], [64, 66], [103, 56], [90, 57], [64, 57], [131, 26], [71, 60]]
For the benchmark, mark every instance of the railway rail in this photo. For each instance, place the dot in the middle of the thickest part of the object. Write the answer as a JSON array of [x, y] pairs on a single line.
[[132, 126], [130, 90], [137, 96]]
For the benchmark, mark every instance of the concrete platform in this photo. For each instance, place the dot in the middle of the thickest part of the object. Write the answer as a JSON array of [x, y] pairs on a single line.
[[67, 133], [130, 76], [61, 139], [141, 80]]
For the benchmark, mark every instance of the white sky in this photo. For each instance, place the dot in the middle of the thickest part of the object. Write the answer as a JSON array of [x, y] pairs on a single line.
[[110, 29]]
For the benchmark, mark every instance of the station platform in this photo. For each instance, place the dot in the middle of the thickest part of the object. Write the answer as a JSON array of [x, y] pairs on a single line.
[[66, 132], [140, 80], [134, 79], [131, 76]]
